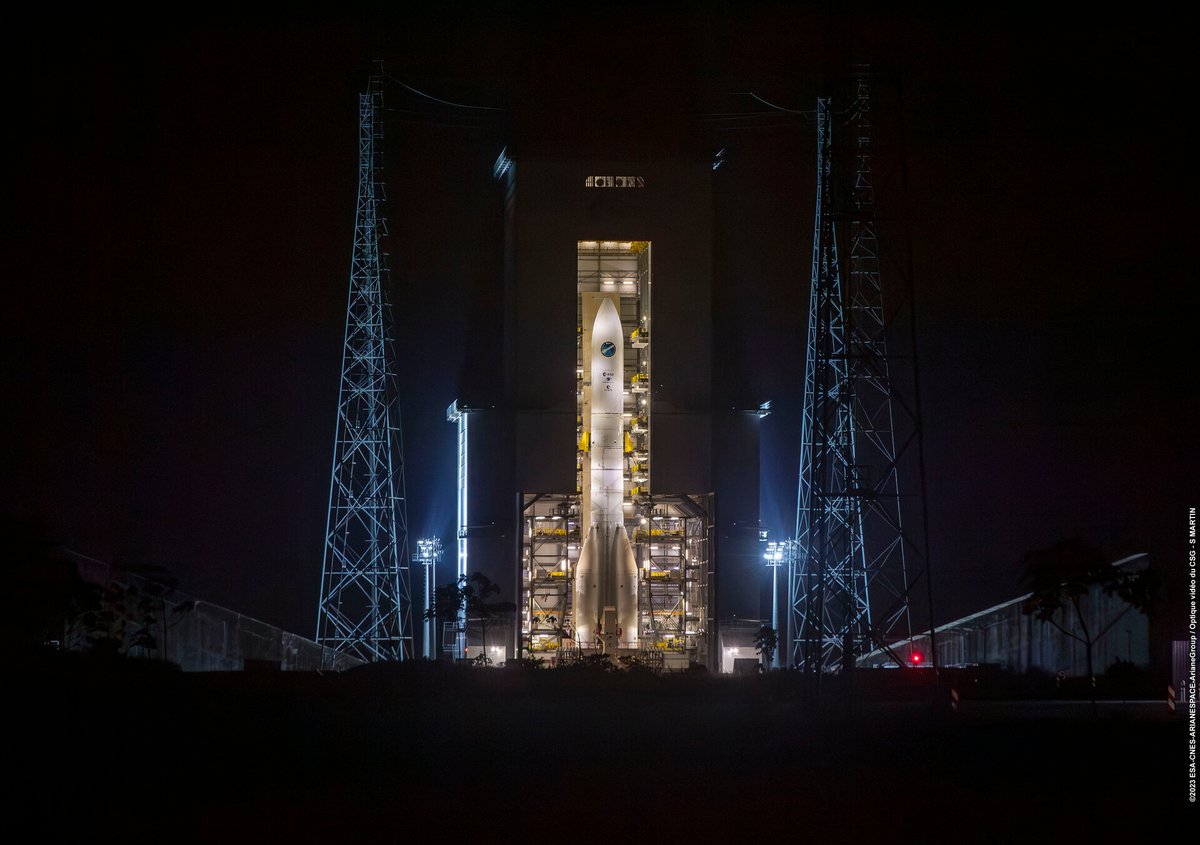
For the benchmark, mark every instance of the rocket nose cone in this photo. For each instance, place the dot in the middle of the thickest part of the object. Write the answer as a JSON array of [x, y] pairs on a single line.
[[607, 334]]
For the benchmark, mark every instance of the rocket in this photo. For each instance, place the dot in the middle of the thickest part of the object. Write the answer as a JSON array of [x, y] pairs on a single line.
[[605, 608]]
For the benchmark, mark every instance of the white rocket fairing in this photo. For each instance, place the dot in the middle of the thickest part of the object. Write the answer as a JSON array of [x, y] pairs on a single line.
[[605, 609]]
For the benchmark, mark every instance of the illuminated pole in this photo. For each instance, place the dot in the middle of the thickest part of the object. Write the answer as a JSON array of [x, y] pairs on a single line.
[[790, 660], [429, 553], [774, 557], [457, 414]]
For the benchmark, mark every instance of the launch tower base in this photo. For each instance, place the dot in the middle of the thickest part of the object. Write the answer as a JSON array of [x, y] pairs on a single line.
[[672, 538]]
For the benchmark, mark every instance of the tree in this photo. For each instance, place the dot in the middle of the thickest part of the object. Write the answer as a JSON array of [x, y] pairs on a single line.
[[1059, 577], [472, 597], [766, 639], [484, 611], [449, 601], [147, 590], [41, 588]]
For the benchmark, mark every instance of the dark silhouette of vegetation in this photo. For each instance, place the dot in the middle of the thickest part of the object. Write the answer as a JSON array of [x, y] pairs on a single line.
[[43, 590], [1059, 578], [636, 664], [597, 662], [766, 640], [48, 604], [526, 663], [105, 621], [131, 615], [471, 598], [147, 594]]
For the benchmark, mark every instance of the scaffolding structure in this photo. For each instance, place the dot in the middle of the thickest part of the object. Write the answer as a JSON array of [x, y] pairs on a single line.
[[365, 605], [674, 553], [852, 562], [672, 544]]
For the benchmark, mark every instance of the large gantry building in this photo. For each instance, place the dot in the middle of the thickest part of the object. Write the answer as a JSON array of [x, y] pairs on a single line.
[[589, 243]]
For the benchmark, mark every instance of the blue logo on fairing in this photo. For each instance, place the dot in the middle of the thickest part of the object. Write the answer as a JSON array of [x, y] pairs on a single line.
[[608, 349]]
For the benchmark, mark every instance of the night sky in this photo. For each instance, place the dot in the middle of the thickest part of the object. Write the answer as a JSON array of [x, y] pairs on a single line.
[[184, 212]]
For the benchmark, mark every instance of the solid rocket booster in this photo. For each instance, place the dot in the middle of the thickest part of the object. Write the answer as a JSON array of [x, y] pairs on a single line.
[[606, 575]]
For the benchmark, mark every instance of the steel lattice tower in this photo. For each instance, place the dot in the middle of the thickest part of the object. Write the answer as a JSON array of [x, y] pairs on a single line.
[[365, 607], [849, 583]]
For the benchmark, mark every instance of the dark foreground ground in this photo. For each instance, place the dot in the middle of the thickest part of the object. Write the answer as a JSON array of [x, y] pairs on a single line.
[[391, 754]]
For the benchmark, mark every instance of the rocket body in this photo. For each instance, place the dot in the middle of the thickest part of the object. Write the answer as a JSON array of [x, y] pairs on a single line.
[[605, 607]]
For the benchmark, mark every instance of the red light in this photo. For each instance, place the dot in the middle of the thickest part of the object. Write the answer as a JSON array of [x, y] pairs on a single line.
[[917, 657]]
